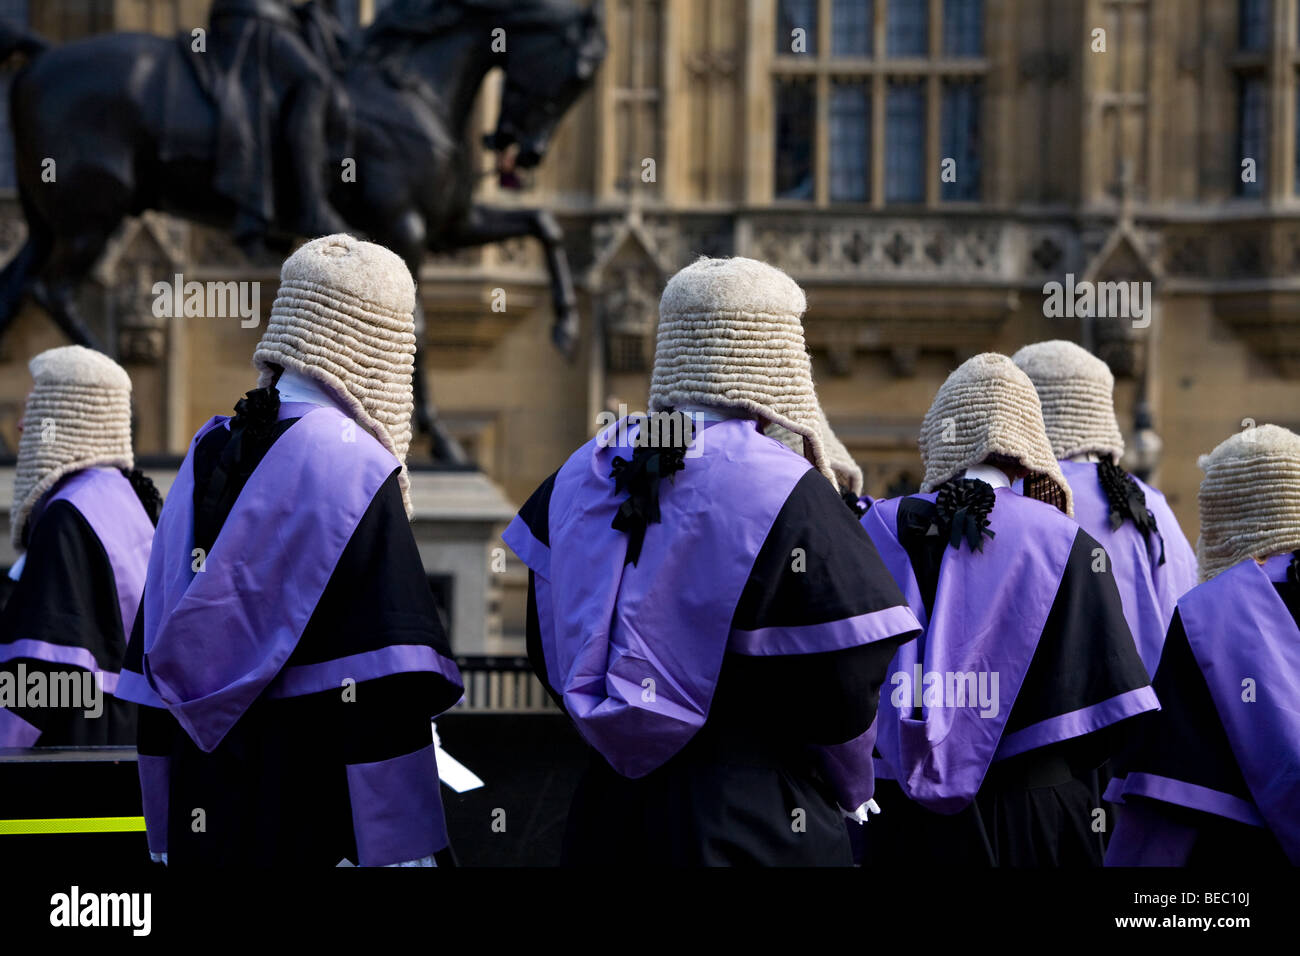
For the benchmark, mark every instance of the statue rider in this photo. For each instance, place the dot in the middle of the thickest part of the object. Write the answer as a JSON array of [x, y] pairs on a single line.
[[264, 62]]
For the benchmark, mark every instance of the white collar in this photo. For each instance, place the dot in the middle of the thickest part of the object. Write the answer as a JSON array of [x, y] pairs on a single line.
[[295, 387], [1087, 457], [712, 413], [16, 571], [989, 475]]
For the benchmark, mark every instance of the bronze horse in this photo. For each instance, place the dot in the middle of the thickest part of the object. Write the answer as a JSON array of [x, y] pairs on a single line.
[[111, 110]]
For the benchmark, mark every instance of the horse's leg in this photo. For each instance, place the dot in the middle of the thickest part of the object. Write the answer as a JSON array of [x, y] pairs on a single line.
[[55, 290], [17, 275], [407, 239], [443, 445], [27, 263], [486, 224]]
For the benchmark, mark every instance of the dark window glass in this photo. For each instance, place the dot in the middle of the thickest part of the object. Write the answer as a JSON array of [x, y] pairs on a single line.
[[795, 109], [794, 15], [12, 12], [1252, 24], [904, 142], [850, 141], [961, 139], [852, 27], [907, 28], [963, 27], [1252, 141]]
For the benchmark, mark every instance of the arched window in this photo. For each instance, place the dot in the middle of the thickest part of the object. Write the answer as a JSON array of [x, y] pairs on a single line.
[[878, 101]]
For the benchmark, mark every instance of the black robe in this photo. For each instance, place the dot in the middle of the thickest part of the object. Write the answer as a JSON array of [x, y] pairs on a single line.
[[1185, 741], [728, 796], [1040, 808], [275, 791], [66, 596]]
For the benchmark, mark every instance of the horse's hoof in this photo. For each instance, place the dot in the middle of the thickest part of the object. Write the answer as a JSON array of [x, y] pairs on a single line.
[[564, 335]]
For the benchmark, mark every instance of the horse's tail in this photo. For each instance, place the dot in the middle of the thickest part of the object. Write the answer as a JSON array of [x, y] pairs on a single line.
[[16, 39]]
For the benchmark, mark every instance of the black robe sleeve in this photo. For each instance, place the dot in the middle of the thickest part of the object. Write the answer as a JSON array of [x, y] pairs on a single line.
[[67, 597], [823, 698], [344, 772], [1185, 741], [1086, 655], [535, 515], [378, 597], [819, 698]]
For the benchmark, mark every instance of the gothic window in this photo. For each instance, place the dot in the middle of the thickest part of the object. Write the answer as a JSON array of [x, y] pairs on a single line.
[[905, 142], [852, 26], [1252, 132], [635, 52], [1252, 24], [963, 27], [875, 99], [907, 28], [961, 138], [794, 138], [792, 15], [850, 140]]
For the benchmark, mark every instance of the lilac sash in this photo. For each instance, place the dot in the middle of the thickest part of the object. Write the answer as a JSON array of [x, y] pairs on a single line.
[[105, 498], [990, 610], [1147, 589], [850, 768], [214, 640], [636, 650], [1239, 628]]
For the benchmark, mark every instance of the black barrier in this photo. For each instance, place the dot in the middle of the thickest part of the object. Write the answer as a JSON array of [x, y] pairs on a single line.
[[88, 791], [529, 763]]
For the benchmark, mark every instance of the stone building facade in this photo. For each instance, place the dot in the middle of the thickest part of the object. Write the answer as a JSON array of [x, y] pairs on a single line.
[[922, 167]]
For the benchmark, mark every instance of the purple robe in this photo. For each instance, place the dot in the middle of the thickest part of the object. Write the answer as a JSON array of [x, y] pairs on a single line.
[[1246, 645], [109, 504], [208, 677], [990, 609], [1148, 589], [105, 499], [219, 630], [635, 650]]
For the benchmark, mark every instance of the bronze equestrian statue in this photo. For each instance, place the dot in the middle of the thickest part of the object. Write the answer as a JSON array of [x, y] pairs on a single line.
[[264, 60], [131, 122]]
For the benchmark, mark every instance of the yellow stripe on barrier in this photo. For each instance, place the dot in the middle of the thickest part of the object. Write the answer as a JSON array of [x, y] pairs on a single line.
[[73, 825]]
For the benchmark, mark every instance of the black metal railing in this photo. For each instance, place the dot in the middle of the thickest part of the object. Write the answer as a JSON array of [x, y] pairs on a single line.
[[501, 684]]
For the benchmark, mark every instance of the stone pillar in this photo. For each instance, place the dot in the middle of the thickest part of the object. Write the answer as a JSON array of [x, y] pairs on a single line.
[[459, 517]]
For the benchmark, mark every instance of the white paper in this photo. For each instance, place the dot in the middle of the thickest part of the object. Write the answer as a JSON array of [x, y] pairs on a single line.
[[451, 771]]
